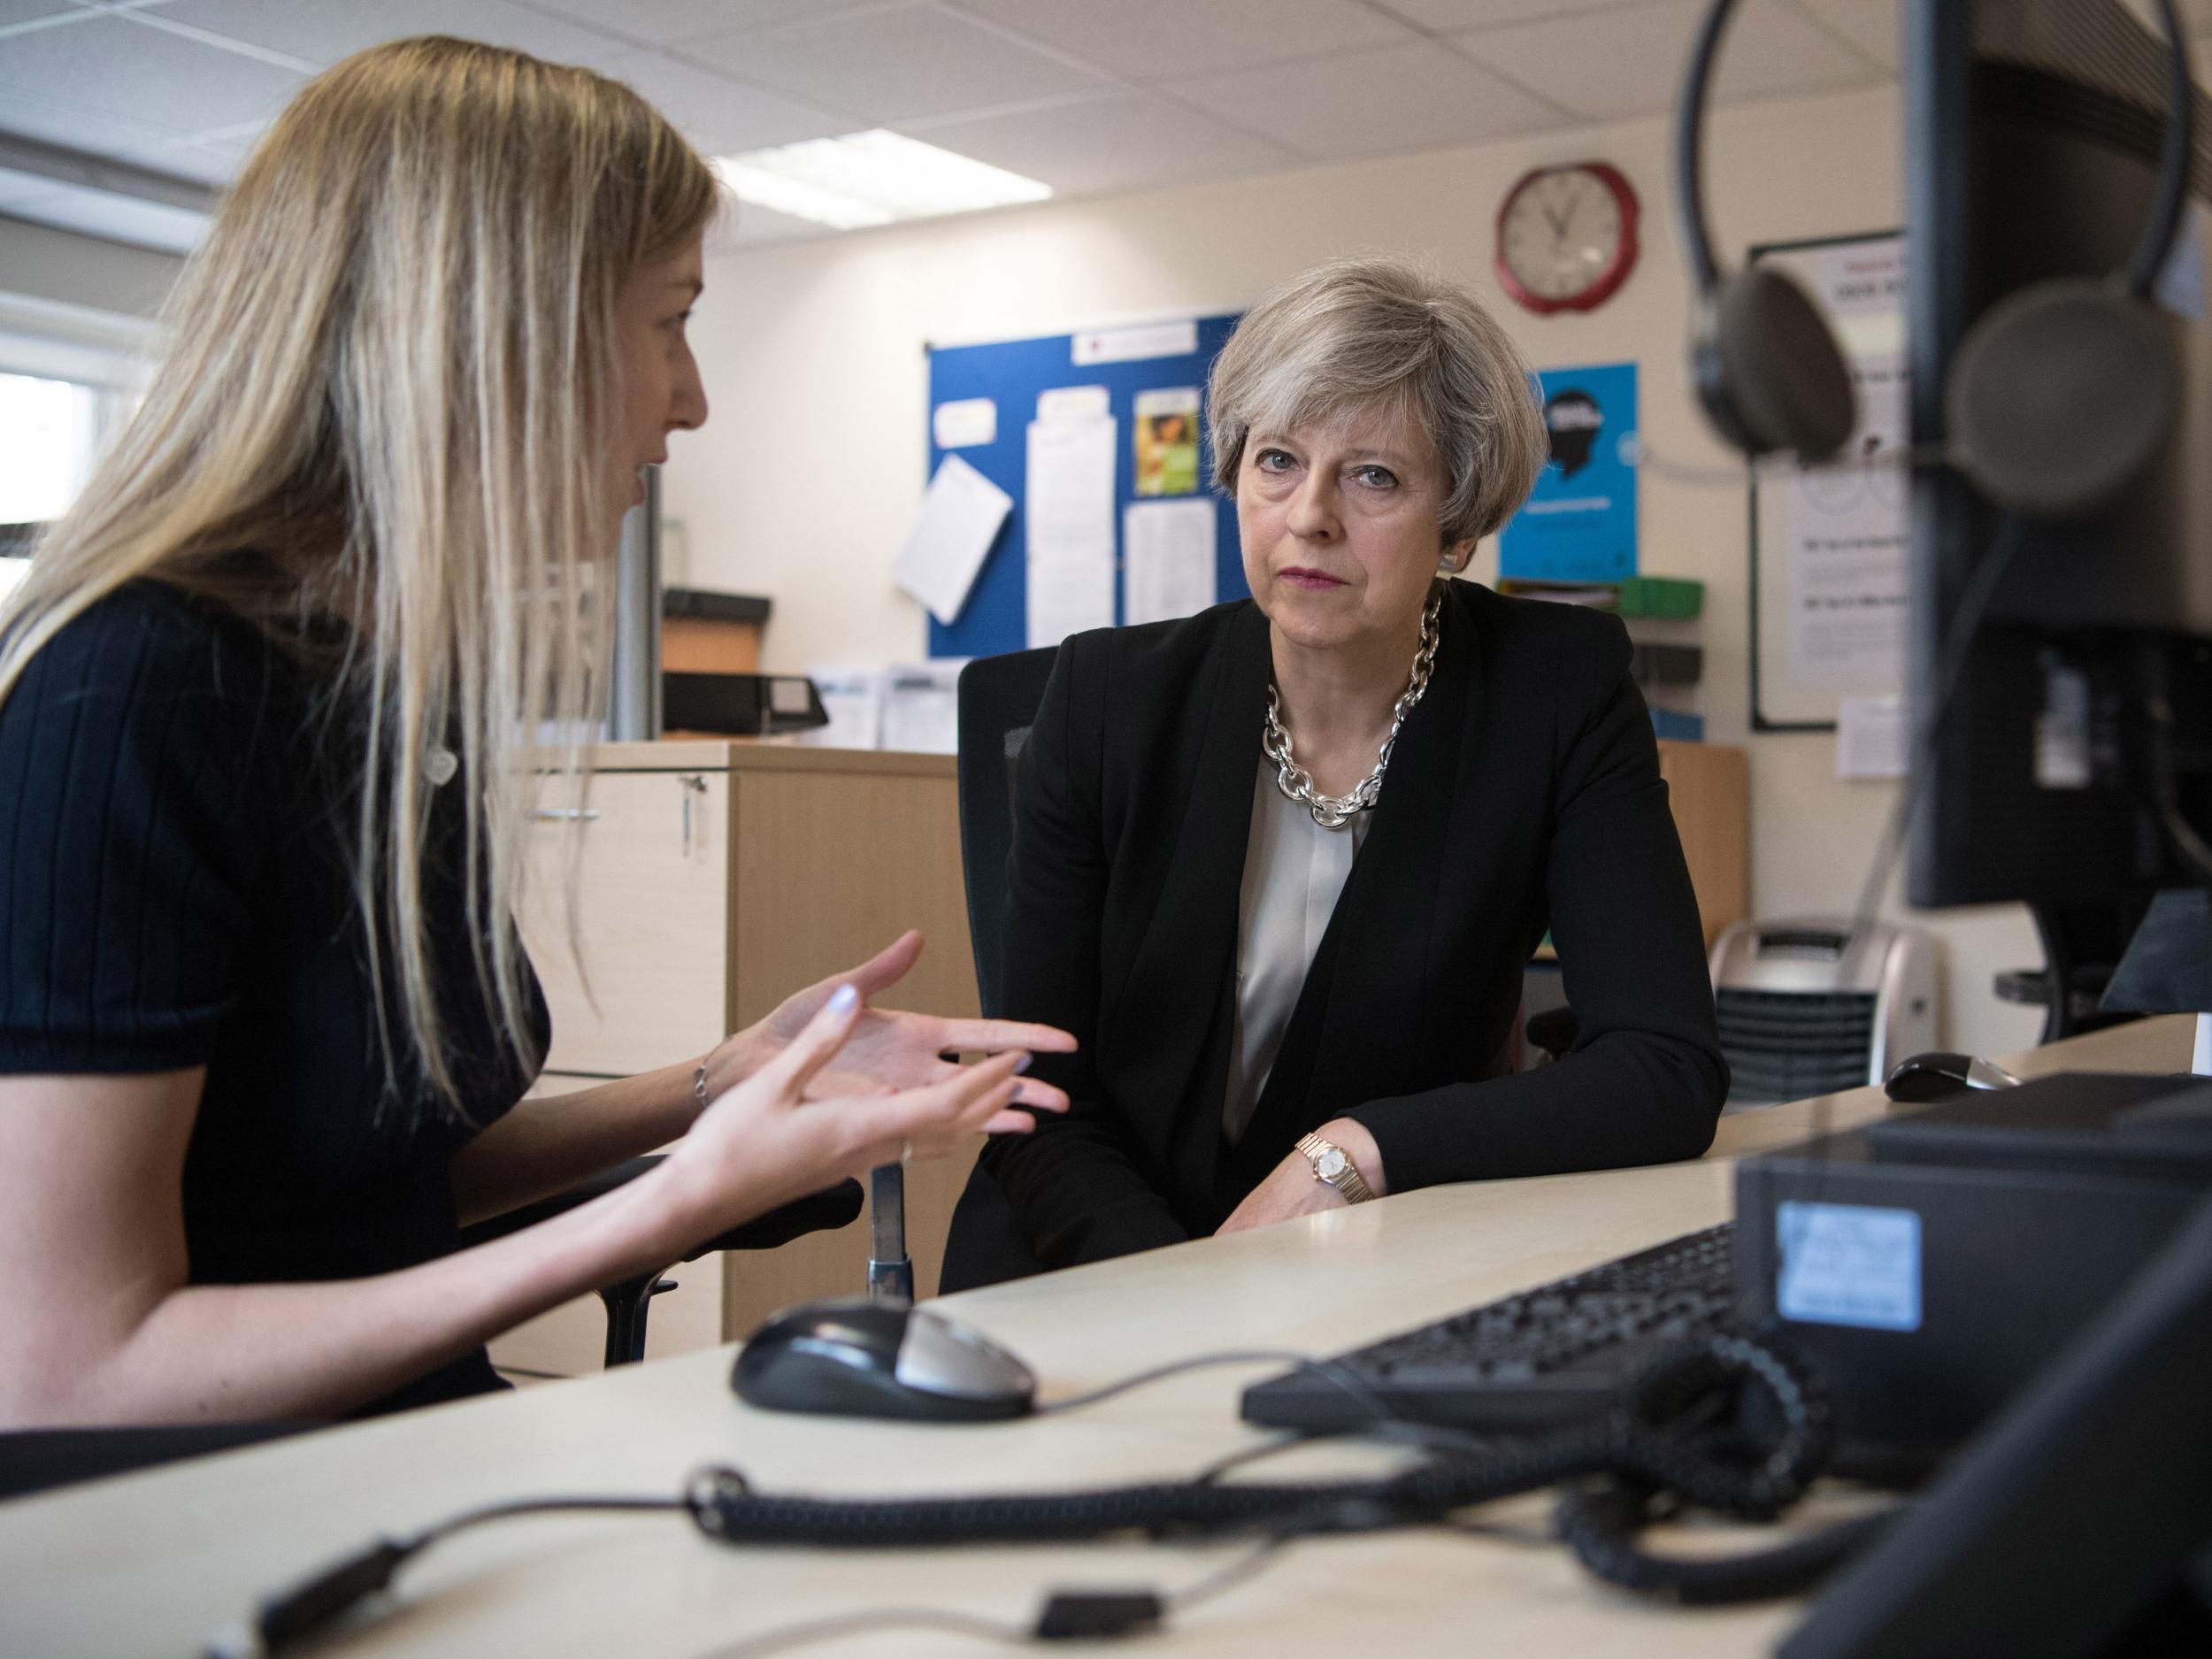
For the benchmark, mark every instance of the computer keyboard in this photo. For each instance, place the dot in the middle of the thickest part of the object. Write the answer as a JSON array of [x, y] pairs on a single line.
[[1545, 1357]]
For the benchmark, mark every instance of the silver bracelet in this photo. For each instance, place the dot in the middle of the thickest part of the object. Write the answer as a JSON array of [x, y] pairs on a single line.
[[699, 1085]]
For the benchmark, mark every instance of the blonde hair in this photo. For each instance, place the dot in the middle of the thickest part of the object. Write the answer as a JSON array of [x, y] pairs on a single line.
[[1372, 331], [389, 399]]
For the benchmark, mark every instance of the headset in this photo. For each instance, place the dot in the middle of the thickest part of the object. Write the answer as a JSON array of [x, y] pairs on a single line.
[[2059, 394]]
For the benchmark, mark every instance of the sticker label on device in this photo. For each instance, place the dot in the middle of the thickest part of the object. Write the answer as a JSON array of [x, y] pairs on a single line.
[[1849, 1264]]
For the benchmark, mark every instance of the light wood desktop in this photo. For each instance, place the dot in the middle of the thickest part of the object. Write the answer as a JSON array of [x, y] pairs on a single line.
[[152, 1563]]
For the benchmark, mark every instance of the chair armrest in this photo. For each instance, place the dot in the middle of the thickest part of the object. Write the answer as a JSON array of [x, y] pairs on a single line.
[[833, 1207]]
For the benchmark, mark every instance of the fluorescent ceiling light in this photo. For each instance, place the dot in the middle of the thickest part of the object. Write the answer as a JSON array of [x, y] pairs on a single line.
[[871, 178]]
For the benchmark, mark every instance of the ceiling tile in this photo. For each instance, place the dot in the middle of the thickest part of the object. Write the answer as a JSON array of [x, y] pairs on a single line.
[[717, 113], [1874, 27], [1446, 16], [1153, 39], [115, 69], [324, 31], [1606, 65], [1118, 141], [14, 11], [1401, 97], [894, 64], [663, 20]]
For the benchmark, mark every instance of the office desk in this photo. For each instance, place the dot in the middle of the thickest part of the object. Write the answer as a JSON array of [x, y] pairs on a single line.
[[152, 1563]]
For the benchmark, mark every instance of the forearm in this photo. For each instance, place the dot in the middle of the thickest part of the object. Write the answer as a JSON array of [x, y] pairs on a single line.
[[247, 1352], [548, 1143], [1629, 1098]]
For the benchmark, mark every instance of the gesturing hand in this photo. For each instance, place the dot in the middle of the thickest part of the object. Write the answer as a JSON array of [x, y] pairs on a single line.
[[886, 1048], [767, 1142]]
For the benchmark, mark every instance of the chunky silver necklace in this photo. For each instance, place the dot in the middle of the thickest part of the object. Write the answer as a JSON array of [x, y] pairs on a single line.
[[1334, 811]]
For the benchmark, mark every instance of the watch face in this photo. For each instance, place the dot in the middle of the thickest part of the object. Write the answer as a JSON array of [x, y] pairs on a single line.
[[1333, 1163], [1566, 237]]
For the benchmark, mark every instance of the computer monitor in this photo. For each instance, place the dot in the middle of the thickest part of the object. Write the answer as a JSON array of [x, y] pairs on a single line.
[[2033, 140]]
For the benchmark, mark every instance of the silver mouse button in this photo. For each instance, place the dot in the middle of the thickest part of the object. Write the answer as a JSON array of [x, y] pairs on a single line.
[[942, 1357]]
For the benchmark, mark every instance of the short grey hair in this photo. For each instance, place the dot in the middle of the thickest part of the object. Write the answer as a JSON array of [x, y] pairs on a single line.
[[1374, 331]]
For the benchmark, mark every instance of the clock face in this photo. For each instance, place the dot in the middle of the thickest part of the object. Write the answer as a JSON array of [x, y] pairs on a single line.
[[1567, 237]]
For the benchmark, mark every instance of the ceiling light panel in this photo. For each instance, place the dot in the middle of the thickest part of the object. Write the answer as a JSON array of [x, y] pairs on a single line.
[[871, 178]]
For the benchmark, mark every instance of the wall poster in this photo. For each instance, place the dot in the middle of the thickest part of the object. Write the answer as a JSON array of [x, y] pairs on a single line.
[[1579, 524], [1828, 542]]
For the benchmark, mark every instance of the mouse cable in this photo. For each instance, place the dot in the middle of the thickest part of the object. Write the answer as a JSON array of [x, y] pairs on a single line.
[[1068, 1615]]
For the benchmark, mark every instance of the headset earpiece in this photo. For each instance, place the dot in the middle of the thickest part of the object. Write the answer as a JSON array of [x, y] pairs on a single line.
[[2060, 396], [1767, 372]]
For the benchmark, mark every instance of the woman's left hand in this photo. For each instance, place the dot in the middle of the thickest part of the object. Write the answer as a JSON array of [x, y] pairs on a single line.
[[887, 1050], [1291, 1188]]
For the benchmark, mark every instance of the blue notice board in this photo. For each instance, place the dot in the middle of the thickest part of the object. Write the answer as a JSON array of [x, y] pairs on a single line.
[[1579, 524], [1012, 374]]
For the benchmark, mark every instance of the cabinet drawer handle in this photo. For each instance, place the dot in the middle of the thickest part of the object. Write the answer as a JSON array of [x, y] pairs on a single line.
[[563, 814]]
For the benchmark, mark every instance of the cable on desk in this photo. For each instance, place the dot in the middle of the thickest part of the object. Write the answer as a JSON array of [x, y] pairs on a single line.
[[291, 1616], [1668, 1435], [1066, 1615], [1329, 1370]]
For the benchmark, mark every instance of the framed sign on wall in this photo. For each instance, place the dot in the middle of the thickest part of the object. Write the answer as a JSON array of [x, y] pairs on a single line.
[[1828, 542]]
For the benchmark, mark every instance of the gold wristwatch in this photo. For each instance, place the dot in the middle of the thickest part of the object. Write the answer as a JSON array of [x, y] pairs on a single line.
[[1332, 1165]]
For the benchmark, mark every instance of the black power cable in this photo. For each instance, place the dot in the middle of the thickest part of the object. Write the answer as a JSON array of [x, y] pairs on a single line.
[[1673, 1436]]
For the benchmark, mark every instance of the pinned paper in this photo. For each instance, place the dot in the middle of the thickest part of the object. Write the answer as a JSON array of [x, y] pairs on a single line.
[[921, 706], [1168, 552], [1070, 525], [1167, 441], [1128, 345], [960, 518], [1074, 403], [965, 423]]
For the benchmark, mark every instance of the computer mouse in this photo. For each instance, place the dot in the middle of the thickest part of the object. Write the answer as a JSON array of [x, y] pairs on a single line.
[[1936, 1076], [849, 1356]]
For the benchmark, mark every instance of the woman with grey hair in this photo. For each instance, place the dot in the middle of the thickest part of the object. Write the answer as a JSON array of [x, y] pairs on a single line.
[[1278, 866]]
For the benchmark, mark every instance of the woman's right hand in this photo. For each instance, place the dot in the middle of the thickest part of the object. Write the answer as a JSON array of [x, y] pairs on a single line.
[[764, 1143]]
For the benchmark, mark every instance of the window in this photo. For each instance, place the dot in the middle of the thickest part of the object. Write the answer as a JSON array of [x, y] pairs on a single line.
[[69, 377], [49, 430]]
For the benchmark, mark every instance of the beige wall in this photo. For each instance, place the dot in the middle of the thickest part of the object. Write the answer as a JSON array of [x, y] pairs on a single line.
[[810, 471]]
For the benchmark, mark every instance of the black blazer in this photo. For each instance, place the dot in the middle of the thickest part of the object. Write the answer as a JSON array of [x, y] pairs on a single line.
[[1524, 793]]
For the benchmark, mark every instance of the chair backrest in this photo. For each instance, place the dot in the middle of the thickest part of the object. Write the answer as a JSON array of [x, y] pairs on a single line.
[[998, 704]]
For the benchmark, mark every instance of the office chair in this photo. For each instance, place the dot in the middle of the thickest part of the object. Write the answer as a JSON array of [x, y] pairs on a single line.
[[2083, 943], [998, 704]]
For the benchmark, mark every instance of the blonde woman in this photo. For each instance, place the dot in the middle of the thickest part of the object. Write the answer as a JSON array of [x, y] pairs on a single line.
[[264, 1019], [1280, 864]]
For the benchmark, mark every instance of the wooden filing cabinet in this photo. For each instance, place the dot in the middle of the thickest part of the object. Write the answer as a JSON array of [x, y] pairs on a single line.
[[1708, 789], [713, 878]]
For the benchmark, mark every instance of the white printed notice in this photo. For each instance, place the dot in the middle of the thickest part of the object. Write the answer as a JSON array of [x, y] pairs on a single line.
[[1168, 553], [1871, 737], [960, 519], [1070, 507], [1847, 520]]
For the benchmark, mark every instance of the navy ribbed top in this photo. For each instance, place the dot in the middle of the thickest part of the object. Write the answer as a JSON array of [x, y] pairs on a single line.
[[175, 810]]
